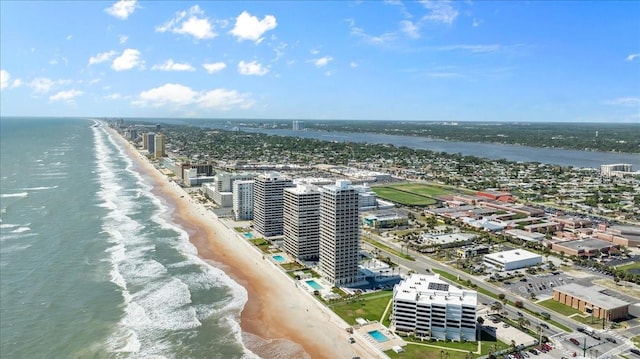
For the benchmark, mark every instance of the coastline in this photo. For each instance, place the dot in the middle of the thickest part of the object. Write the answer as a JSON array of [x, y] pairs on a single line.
[[279, 320]]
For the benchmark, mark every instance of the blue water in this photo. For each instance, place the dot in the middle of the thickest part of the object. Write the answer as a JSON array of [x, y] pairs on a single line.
[[378, 336], [248, 235], [92, 264], [313, 284], [279, 258]]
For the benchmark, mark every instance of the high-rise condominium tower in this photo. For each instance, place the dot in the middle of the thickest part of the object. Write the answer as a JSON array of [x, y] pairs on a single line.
[[302, 221], [339, 233], [268, 203]]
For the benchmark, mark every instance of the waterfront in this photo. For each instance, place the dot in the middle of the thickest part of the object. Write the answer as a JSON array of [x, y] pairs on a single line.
[[556, 156]]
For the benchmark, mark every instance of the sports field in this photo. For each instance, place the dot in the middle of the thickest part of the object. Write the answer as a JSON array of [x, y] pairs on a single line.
[[411, 194]]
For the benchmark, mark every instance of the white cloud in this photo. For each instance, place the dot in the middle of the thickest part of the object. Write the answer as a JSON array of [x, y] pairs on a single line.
[[65, 95], [173, 94], [191, 22], [69, 37], [314, 51], [4, 79], [250, 28], [170, 65], [129, 59], [375, 40], [122, 9], [123, 38], [252, 68], [471, 48], [633, 57], [353, 64], [114, 96], [624, 101], [102, 57], [323, 61], [214, 67], [176, 95], [439, 11], [41, 85], [223, 99], [476, 22], [408, 27]]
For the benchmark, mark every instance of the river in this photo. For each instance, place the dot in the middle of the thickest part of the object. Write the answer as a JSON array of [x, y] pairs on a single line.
[[590, 159]]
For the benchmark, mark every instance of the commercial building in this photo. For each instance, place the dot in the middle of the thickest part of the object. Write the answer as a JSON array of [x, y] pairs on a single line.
[[613, 169], [151, 142], [584, 247], [447, 240], [243, 200], [594, 300], [426, 306], [268, 202], [339, 233], [302, 222], [220, 190], [512, 259], [386, 220], [297, 125]]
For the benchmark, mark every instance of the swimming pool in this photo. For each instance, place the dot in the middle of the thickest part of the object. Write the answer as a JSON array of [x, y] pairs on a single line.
[[279, 258], [247, 235], [378, 336], [313, 284]]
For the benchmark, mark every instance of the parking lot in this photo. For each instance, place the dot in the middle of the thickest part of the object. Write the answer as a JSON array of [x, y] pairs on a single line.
[[539, 284]]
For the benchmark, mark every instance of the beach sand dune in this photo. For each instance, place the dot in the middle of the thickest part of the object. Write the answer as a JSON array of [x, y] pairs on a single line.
[[279, 319]]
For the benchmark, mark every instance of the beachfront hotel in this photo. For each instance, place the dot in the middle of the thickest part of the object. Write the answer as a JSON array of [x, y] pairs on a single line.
[[339, 233], [268, 203], [302, 222], [151, 142], [426, 306], [243, 200]]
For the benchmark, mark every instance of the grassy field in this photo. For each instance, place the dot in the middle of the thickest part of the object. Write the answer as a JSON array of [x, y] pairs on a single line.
[[559, 307], [450, 350], [423, 189], [369, 307], [631, 267], [404, 198]]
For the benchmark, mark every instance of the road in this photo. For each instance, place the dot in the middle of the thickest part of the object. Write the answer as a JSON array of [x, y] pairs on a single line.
[[422, 263]]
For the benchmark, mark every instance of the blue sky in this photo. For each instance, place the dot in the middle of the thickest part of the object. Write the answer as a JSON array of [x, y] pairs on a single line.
[[385, 60]]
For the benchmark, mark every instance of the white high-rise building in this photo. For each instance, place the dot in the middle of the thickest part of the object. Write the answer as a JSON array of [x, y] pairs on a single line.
[[611, 170], [339, 233], [302, 221], [243, 200], [268, 203], [429, 307]]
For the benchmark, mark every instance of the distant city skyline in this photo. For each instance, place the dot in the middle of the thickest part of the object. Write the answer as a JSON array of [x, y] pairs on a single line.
[[515, 61]]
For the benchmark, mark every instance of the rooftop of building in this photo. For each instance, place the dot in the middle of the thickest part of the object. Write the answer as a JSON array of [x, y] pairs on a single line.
[[594, 294], [587, 244], [431, 289], [512, 255], [448, 237]]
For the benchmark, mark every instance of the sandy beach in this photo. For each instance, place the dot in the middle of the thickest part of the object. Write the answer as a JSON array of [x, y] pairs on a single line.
[[279, 319]]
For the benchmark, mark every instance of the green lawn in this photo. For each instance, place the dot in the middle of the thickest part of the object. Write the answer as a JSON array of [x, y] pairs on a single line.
[[423, 189], [432, 350], [384, 247], [404, 198], [559, 307], [635, 267], [369, 307]]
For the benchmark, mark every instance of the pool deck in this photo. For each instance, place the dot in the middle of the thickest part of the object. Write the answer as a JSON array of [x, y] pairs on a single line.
[[363, 334]]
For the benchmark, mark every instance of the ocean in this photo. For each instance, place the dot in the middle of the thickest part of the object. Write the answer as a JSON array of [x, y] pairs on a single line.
[[92, 264]]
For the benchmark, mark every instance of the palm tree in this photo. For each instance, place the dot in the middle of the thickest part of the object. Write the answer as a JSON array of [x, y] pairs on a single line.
[[539, 330], [496, 306]]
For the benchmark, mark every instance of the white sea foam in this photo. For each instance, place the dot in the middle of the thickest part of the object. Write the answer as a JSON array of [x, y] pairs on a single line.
[[39, 188], [21, 229], [7, 225], [11, 195], [155, 302]]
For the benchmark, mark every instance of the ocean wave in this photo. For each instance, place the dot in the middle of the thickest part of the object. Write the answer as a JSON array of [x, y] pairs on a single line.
[[157, 298], [11, 195], [39, 188], [21, 229], [7, 225]]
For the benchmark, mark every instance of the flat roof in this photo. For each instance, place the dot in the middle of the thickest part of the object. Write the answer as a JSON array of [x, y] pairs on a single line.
[[512, 255], [592, 294], [448, 238], [587, 244], [431, 289]]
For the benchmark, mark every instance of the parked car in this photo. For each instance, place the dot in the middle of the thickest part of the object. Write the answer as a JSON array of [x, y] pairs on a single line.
[[581, 330]]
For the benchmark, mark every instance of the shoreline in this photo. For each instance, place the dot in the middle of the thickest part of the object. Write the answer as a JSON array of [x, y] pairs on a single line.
[[283, 323]]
